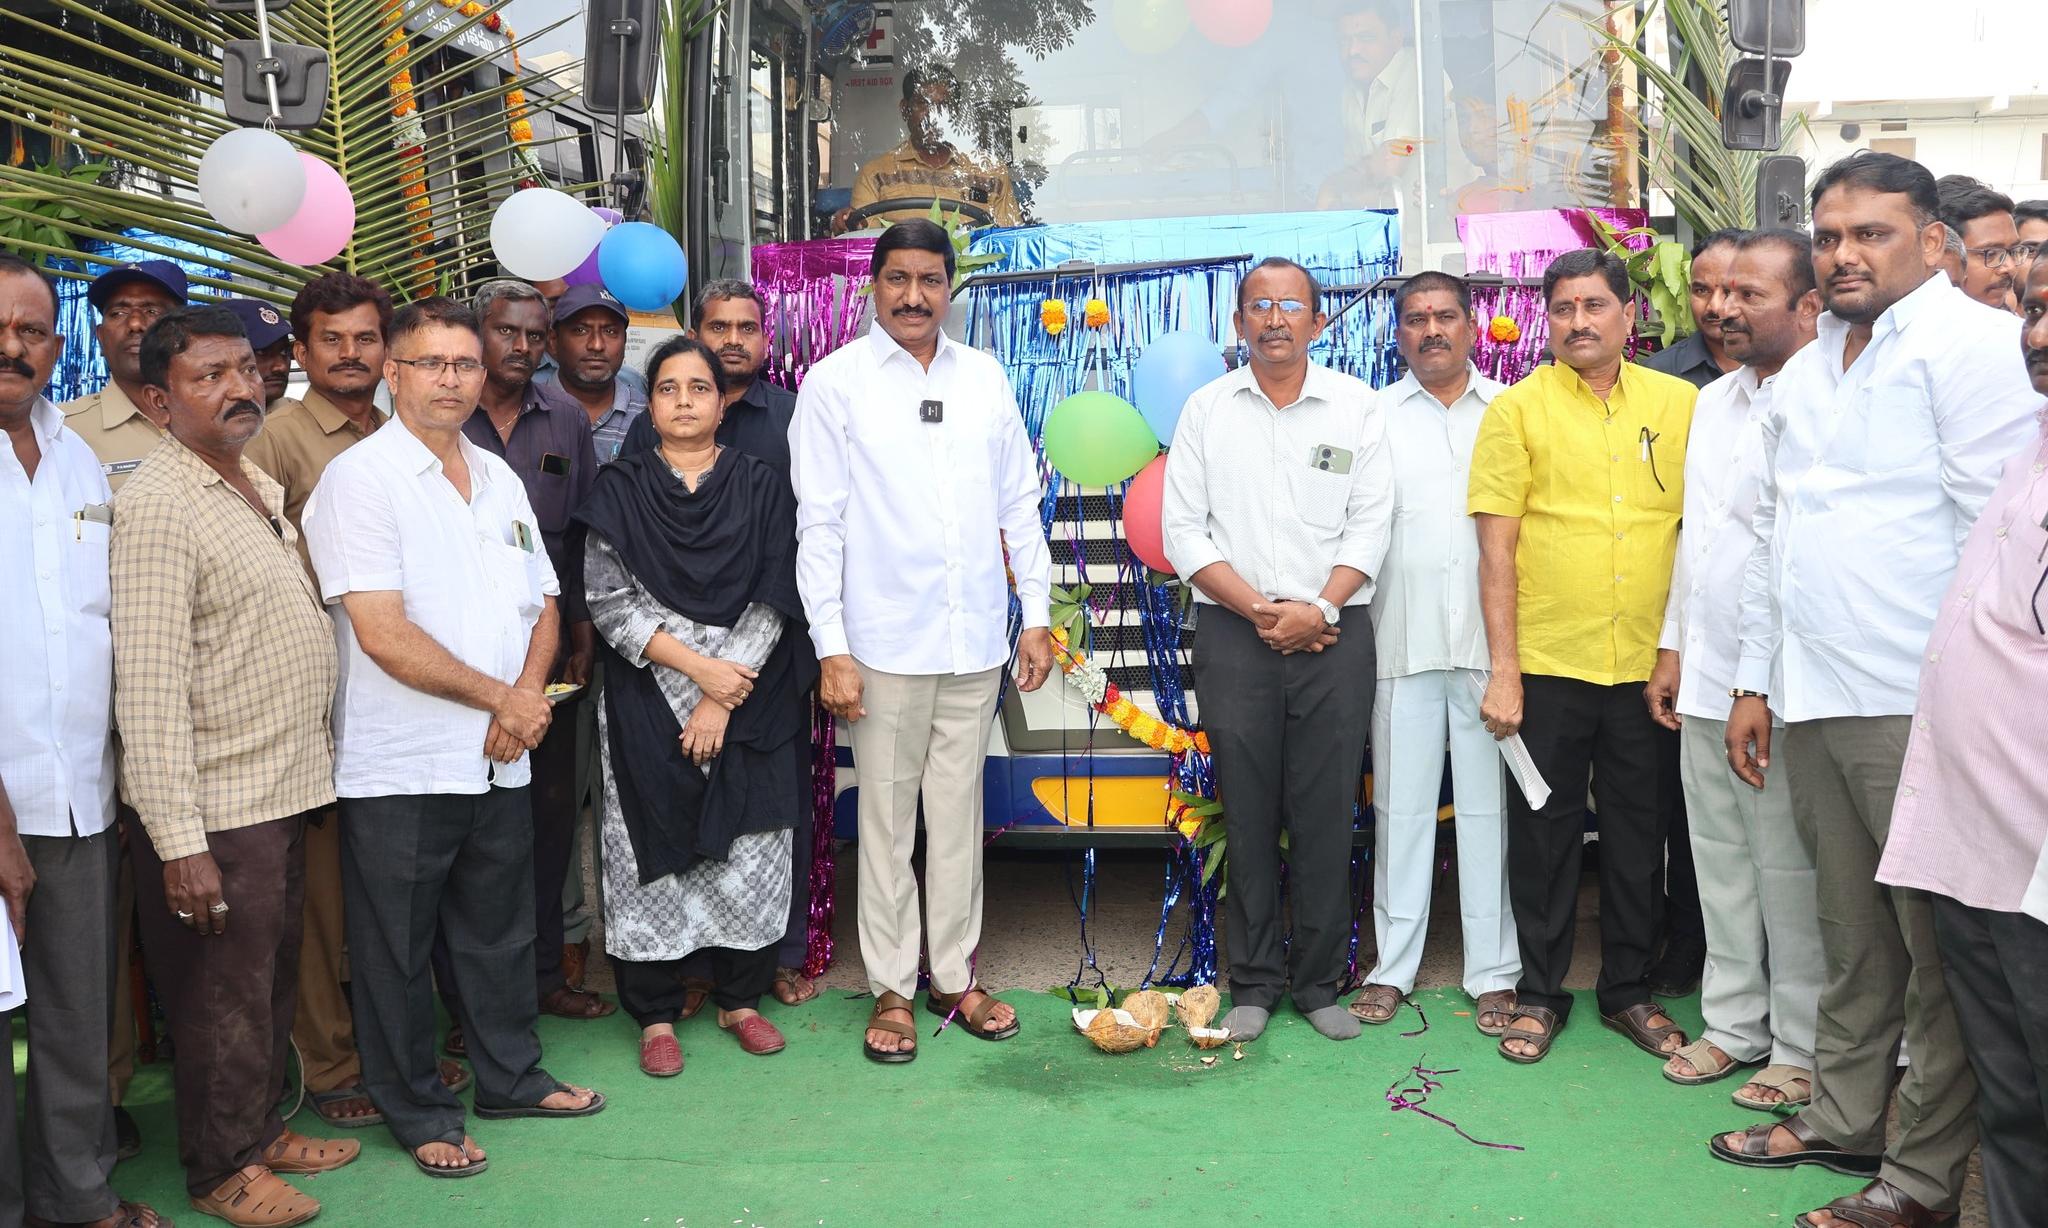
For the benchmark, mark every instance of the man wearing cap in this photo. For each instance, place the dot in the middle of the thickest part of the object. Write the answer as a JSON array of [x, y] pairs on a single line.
[[112, 421], [589, 344], [548, 444], [270, 335], [120, 430]]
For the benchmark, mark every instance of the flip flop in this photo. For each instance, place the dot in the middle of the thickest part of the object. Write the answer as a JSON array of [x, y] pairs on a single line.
[[793, 978], [596, 1105], [469, 1168], [334, 1096]]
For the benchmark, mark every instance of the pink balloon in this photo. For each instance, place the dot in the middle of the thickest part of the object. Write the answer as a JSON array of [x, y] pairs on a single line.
[[1144, 516], [325, 220], [1231, 23], [586, 274]]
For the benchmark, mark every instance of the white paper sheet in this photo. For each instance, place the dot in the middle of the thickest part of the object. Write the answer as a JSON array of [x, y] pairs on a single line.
[[13, 990], [1520, 764]]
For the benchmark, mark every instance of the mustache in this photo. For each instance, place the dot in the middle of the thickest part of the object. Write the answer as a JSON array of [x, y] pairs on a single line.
[[14, 366], [349, 365], [1275, 334], [734, 350], [1434, 343], [239, 408], [912, 311], [1581, 335], [2037, 358]]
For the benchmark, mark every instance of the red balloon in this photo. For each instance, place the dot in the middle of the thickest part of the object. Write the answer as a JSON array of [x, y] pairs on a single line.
[[1231, 23], [1144, 516]]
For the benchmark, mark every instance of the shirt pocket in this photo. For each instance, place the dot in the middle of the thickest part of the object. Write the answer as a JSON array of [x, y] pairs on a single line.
[[1321, 497], [512, 573], [86, 568], [1888, 429]]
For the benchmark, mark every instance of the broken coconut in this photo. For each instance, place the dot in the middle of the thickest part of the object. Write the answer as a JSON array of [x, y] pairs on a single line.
[[1198, 1006], [1149, 1007], [1115, 1031], [1209, 1038]]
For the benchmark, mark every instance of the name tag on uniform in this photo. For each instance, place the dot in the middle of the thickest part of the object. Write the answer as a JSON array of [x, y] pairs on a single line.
[[117, 468], [1329, 459], [522, 535]]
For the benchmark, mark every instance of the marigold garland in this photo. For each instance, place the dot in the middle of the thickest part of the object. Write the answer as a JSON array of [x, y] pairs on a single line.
[[1052, 313], [1123, 713], [1095, 314], [1504, 330]]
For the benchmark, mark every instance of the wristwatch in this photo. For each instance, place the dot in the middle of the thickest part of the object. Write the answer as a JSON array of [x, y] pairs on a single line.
[[1330, 612], [1736, 692]]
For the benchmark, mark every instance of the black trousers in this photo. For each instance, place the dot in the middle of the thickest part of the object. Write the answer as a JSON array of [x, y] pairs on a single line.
[[1571, 728], [230, 997], [790, 950], [554, 834], [652, 990], [1996, 965], [1288, 735], [460, 865]]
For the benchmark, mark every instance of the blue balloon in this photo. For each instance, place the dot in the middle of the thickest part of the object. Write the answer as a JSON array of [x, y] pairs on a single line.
[[1168, 373], [642, 265]]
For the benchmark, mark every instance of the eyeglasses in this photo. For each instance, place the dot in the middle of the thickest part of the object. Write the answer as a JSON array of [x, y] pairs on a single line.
[[1287, 306], [435, 368], [148, 313], [1995, 257], [2026, 251]]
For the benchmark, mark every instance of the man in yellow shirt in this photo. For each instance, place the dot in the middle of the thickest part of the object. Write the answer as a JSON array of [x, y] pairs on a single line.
[[926, 165], [1577, 487], [114, 421]]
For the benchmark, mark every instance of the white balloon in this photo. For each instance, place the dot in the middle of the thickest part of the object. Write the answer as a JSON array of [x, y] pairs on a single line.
[[540, 234], [252, 180]]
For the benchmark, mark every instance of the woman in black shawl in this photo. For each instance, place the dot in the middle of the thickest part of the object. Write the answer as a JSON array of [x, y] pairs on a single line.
[[690, 570]]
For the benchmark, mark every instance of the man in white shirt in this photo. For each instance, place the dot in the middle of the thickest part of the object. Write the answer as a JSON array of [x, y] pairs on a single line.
[[1891, 429], [58, 850], [913, 475], [1431, 649], [1279, 494], [1762, 982], [431, 560]]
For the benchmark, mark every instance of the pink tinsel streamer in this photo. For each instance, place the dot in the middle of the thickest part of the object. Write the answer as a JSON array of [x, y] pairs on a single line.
[[1522, 244], [824, 776], [1412, 1098], [814, 300]]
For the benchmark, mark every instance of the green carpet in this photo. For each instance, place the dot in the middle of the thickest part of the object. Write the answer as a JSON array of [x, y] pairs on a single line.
[[1045, 1130]]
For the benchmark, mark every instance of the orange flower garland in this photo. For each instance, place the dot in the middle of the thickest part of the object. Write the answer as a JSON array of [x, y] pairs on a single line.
[[1504, 330], [1095, 313], [1127, 716], [411, 139], [1052, 313]]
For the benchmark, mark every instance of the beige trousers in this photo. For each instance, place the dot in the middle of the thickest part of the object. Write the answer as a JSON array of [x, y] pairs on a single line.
[[924, 734], [322, 1028]]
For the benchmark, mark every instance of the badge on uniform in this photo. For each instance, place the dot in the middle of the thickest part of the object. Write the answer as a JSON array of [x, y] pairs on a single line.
[[522, 535], [931, 411], [114, 469], [1329, 459]]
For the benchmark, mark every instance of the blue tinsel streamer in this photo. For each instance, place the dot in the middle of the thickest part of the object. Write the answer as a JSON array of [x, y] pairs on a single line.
[[82, 368]]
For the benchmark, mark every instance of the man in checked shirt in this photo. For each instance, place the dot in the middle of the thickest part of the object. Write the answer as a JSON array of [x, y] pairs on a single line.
[[224, 670]]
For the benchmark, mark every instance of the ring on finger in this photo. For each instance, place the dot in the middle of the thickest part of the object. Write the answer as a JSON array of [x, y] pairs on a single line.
[[183, 915]]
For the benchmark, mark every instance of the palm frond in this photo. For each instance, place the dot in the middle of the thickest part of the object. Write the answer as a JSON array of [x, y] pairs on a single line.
[[425, 176]]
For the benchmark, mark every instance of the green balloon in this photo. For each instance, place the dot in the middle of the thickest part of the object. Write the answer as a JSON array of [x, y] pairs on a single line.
[[1098, 439]]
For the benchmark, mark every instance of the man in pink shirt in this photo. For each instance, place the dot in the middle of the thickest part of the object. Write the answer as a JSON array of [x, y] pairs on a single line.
[[1971, 822]]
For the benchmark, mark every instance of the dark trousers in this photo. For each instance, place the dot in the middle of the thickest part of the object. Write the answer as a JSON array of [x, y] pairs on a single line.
[[460, 865], [1571, 728], [1288, 735], [652, 990], [554, 832], [795, 943], [55, 1161], [1997, 969], [1682, 925], [229, 998]]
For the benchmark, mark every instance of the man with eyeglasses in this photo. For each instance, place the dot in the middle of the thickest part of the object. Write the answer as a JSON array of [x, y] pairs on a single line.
[[114, 421], [2031, 217], [1984, 220], [431, 561], [1278, 508], [1578, 481]]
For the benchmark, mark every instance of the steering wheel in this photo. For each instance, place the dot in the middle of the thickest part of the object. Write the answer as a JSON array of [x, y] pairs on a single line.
[[977, 214]]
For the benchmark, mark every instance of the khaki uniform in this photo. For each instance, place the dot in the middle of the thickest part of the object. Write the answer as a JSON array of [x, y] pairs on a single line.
[[903, 173], [114, 428], [299, 438]]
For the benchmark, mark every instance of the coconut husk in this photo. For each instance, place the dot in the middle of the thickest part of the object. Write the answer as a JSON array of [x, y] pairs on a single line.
[[1149, 1008], [1198, 1006], [1209, 1038], [1115, 1031]]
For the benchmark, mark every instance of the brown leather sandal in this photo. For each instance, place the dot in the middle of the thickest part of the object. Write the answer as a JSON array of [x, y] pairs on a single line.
[[1880, 1205], [1542, 1040], [1755, 1150], [696, 992], [1375, 1004], [295, 1153], [1634, 1023], [1499, 1003], [976, 1020], [566, 1003], [890, 1001], [257, 1198]]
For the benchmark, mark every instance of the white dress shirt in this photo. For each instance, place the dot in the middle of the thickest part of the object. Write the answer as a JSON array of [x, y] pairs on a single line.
[[1724, 462], [901, 523], [1876, 474], [1425, 614], [56, 748], [384, 517], [1282, 495]]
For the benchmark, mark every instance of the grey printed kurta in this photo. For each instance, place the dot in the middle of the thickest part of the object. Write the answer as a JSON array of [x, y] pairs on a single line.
[[741, 903]]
